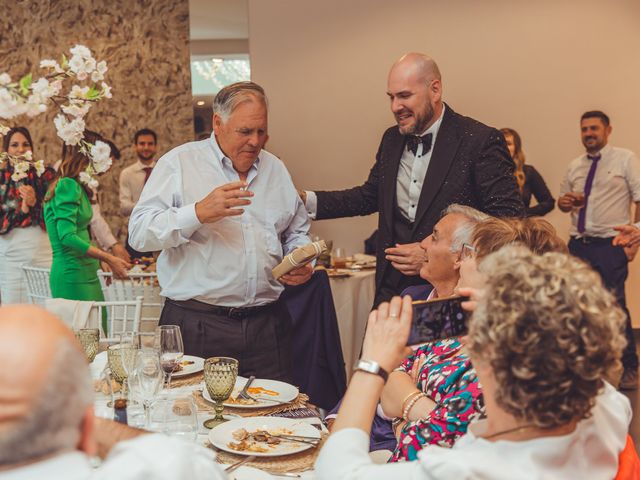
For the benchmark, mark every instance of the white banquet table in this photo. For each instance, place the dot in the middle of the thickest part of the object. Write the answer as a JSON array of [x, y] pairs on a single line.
[[353, 298]]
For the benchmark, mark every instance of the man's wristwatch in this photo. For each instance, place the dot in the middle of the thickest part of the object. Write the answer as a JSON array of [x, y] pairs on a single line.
[[369, 366]]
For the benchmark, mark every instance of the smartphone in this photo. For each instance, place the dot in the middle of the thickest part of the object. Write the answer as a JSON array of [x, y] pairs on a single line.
[[438, 319]]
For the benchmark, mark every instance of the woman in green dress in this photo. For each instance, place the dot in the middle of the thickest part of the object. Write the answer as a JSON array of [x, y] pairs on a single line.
[[67, 213]]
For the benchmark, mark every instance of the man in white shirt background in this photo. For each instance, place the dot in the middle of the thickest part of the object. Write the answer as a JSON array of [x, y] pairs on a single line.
[[224, 212], [47, 426], [598, 191], [134, 177]]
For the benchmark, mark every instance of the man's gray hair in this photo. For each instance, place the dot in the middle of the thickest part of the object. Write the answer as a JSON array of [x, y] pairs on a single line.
[[228, 99], [56, 415], [463, 232]]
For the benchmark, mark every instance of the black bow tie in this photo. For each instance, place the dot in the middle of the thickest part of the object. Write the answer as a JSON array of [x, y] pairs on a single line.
[[413, 141]]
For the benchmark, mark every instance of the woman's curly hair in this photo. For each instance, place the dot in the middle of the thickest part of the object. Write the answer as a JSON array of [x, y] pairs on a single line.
[[550, 331]]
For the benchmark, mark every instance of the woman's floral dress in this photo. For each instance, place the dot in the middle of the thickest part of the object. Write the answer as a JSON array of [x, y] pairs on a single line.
[[445, 374]]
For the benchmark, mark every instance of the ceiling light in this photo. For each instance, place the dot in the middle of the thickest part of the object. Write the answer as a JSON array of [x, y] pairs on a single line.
[[200, 103]]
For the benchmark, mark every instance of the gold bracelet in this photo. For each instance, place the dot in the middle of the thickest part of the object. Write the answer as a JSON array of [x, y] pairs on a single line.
[[412, 402], [408, 398]]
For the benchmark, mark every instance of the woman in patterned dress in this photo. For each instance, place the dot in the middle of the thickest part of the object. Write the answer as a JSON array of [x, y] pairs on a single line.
[[23, 239], [442, 370]]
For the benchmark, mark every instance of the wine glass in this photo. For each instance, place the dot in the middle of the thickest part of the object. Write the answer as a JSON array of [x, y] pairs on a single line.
[[175, 416], [120, 358], [168, 342], [89, 338], [146, 379], [219, 377]]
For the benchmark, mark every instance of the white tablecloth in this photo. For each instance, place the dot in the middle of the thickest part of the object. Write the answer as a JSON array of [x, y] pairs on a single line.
[[353, 297]]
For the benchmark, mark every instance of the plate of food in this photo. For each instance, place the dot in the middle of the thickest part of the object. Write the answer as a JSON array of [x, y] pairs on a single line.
[[263, 436], [188, 365], [265, 393], [338, 273]]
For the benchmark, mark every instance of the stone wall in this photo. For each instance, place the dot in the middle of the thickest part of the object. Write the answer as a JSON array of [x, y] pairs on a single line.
[[146, 45]]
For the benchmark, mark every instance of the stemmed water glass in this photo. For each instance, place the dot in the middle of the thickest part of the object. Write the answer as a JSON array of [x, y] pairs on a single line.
[[89, 338], [168, 342], [146, 379], [219, 377]]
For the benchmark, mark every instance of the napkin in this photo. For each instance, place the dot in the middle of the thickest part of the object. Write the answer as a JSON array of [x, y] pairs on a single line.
[[299, 257]]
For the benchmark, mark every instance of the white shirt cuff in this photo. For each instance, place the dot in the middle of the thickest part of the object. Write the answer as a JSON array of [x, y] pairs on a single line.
[[311, 204], [187, 219]]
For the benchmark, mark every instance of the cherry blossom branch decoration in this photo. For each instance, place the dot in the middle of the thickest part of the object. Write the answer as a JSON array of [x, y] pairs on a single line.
[[73, 86]]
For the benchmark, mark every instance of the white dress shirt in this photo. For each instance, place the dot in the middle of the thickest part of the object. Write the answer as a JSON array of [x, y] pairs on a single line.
[[590, 451], [146, 457], [227, 262], [411, 175], [615, 185], [131, 185]]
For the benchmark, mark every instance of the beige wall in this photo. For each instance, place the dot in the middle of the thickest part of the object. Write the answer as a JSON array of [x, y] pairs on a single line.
[[533, 66], [146, 45]]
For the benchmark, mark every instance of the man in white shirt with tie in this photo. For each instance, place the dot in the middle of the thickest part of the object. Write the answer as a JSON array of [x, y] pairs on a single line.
[[598, 191], [224, 212], [134, 177]]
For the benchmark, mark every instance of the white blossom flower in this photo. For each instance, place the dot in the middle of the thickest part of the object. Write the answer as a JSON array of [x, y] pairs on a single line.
[[48, 63], [70, 132], [106, 90], [39, 166], [35, 105], [82, 76], [79, 92], [76, 64], [88, 180], [28, 155], [101, 67], [81, 51], [96, 77], [89, 65], [101, 155], [10, 105], [20, 170], [4, 129], [76, 109], [5, 79], [45, 89]]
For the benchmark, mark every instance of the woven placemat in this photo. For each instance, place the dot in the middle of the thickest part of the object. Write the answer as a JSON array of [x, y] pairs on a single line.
[[297, 462], [193, 379], [203, 405]]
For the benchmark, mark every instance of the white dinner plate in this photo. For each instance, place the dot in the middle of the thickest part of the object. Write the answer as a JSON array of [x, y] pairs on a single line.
[[286, 393], [222, 435], [195, 367], [247, 473]]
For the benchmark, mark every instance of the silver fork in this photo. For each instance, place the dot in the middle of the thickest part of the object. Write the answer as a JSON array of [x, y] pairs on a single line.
[[244, 392], [237, 465]]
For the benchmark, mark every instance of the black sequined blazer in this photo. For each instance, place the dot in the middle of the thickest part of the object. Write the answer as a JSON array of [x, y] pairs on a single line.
[[470, 165]]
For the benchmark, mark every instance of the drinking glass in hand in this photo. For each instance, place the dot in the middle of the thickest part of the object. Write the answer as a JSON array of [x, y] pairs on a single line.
[[169, 344], [89, 338], [146, 379], [219, 377]]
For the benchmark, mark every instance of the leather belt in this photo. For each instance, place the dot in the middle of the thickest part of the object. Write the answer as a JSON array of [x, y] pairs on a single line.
[[593, 240], [231, 312]]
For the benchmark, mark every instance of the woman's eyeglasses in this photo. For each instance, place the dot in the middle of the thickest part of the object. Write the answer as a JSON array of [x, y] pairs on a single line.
[[467, 251]]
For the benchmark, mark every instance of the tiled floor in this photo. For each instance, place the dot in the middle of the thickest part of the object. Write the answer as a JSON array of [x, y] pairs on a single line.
[[634, 398]]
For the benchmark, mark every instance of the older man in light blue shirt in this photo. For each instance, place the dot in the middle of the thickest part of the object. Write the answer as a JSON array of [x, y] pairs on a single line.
[[224, 212]]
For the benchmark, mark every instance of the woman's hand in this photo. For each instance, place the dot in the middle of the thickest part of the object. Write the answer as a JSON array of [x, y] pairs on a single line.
[[387, 332], [28, 195], [474, 294], [119, 267]]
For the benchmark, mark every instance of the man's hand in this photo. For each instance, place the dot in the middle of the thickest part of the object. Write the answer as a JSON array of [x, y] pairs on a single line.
[[629, 236], [119, 267], [570, 200], [407, 258], [221, 201], [297, 276], [121, 252], [631, 252]]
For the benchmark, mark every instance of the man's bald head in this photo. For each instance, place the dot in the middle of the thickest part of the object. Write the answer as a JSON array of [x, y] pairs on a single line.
[[45, 387], [418, 64], [415, 89]]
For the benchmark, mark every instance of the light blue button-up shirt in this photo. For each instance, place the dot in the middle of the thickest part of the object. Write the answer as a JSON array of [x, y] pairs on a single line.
[[227, 262]]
